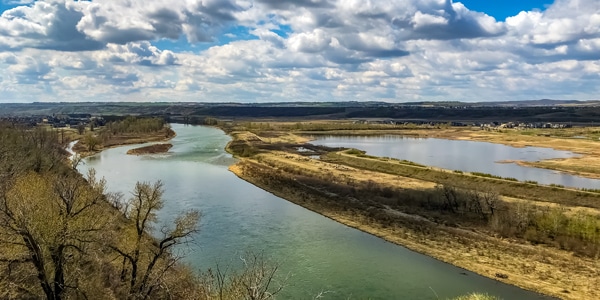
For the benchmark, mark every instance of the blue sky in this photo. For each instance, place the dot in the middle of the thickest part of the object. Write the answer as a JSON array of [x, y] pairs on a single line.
[[501, 9], [299, 50]]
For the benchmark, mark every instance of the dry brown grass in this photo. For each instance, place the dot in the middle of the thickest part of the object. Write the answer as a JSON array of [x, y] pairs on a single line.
[[538, 268], [585, 166], [280, 159]]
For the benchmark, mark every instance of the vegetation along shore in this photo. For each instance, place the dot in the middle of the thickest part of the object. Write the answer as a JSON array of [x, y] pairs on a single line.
[[64, 236], [128, 131]]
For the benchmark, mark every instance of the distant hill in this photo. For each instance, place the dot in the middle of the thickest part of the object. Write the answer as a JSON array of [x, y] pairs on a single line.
[[542, 102], [544, 110], [511, 103]]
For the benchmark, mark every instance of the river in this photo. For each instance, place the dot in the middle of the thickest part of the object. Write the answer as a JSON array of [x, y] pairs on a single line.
[[466, 156], [318, 254]]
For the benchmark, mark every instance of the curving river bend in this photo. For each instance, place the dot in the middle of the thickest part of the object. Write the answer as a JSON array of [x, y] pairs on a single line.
[[318, 254]]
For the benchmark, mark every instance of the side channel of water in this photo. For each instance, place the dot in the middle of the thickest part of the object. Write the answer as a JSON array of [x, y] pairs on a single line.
[[466, 156], [318, 254]]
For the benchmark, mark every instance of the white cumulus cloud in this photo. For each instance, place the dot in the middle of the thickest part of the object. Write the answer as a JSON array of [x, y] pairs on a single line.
[[297, 50]]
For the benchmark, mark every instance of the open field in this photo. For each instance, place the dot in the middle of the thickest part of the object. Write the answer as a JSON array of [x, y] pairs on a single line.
[[408, 204]]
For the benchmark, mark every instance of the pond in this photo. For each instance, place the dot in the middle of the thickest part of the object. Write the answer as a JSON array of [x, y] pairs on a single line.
[[466, 156]]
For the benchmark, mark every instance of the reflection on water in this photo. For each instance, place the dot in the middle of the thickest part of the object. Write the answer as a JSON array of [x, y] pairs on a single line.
[[466, 156], [319, 254]]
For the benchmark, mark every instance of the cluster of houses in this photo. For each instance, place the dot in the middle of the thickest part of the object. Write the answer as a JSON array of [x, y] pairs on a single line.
[[58, 121], [482, 125], [524, 125]]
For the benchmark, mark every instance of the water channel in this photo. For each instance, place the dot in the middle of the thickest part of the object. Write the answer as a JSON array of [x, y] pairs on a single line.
[[318, 254], [466, 156]]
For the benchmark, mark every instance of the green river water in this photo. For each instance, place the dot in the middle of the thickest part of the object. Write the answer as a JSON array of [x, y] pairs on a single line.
[[316, 254]]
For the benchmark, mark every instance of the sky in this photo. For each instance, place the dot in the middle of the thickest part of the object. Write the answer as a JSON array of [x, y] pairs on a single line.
[[299, 50]]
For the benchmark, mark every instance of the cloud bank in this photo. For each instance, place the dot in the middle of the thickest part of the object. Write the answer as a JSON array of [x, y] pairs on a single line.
[[295, 50]]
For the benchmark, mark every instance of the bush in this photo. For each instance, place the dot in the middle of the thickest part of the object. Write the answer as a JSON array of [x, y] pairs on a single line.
[[476, 296], [355, 152]]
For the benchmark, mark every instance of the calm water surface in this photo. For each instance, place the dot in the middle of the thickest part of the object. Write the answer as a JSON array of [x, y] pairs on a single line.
[[318, 254], [467, 156]]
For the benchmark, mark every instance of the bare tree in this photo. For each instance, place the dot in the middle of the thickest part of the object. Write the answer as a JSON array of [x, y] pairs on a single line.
[[475, 203], [256, 279], [145, 259], [451, 196], [483, 204], [49, 222], [491, 201], [91, 141], [81, 128]]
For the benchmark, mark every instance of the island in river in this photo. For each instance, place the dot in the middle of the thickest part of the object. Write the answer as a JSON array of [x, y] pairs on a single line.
[[151, 149]]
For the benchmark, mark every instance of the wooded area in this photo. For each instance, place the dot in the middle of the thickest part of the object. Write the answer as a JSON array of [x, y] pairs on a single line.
[[63, 236]]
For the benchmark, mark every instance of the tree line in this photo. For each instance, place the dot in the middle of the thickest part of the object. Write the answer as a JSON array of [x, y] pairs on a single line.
[[136, 125]]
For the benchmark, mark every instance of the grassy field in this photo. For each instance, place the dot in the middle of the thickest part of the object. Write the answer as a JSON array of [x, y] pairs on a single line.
[[473, 181]]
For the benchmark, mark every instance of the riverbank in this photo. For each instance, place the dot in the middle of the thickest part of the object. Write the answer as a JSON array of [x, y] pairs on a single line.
[[583, 141], [356, 196]]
